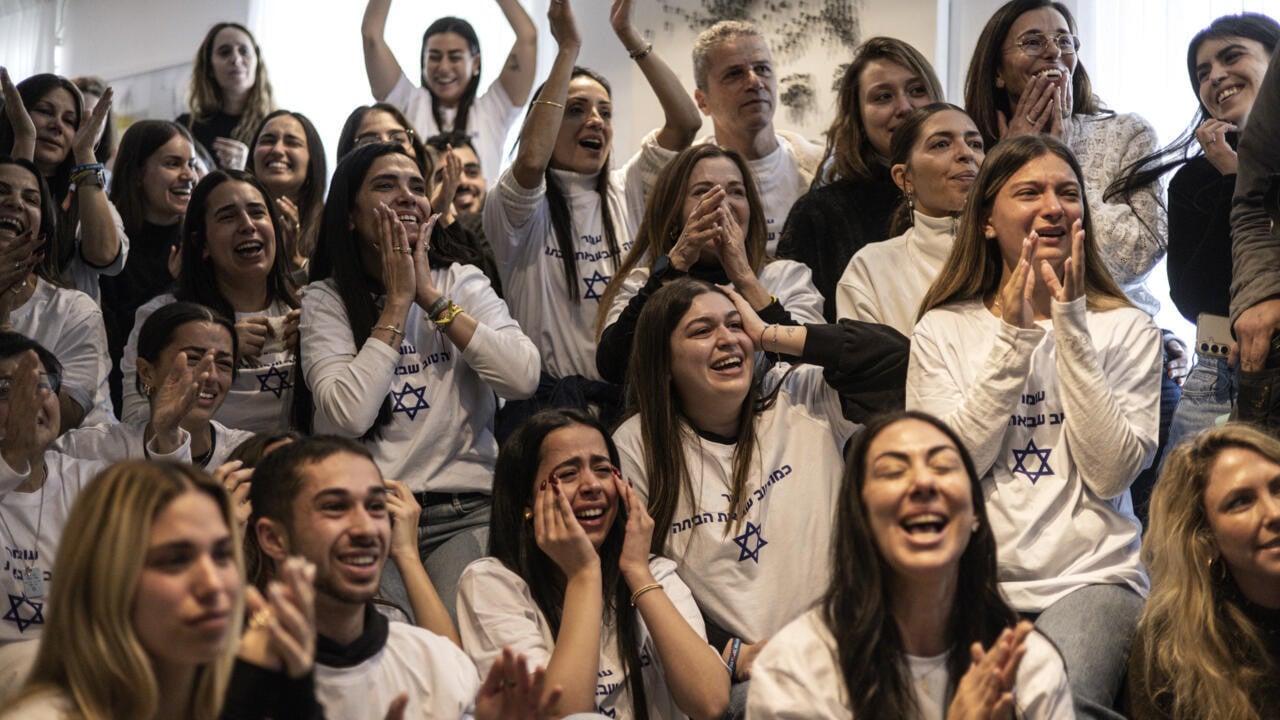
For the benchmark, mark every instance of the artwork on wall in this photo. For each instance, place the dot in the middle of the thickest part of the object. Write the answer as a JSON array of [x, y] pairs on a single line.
[[153, 94], [807, 37]]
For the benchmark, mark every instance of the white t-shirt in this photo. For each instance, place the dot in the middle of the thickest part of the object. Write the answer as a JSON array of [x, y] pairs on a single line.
[[1059, 418], [517, 223], [797, 677], [885, 281], [120, 441], [753, 578], [782, 177], [789, 281], [25, 616], [68, 324], [496, 609], [488, 123], [439, 677], [440, 437], [261, 396]]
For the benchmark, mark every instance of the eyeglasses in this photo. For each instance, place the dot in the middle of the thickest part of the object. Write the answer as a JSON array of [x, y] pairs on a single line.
[[399, 137], [48, 381], [1034, 44]]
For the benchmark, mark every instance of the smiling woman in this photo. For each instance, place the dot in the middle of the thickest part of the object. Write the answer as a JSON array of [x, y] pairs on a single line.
[[1028, 350], [288, 157]]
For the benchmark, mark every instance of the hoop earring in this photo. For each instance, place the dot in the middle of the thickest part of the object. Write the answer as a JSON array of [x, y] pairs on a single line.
[[1217, 569]]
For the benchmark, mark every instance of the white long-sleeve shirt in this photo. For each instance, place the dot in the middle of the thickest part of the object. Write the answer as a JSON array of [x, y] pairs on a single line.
[[440, 437], [885, 281], [797, 677], [517, 223], [1059, 419]]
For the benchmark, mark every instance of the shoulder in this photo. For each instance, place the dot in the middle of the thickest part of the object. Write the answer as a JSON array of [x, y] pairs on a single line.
[[43, 705], [491, 569], [628, 433], [321, 291], [808, 154], [805, 640]]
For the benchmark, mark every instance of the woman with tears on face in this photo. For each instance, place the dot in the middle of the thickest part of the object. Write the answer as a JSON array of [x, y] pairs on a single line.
[[233, 262], [229, 94], [913, 624], [936, 153], [1029, 351], [559, 219]]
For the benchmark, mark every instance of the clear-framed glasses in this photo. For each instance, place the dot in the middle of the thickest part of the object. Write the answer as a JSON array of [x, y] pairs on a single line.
[[399, 137], [47, 381], [1034, 44]]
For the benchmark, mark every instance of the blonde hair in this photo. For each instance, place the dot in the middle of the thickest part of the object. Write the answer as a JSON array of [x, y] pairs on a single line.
[[90, 650], [1201, 653], [973, 268], [204, 96]]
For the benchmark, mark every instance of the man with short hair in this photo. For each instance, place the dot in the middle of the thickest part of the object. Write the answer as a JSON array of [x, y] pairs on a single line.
[[323, 498], [737, 87]]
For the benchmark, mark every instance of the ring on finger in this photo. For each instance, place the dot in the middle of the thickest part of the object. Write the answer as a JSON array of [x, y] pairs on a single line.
[[1030, 120], [261, 619]]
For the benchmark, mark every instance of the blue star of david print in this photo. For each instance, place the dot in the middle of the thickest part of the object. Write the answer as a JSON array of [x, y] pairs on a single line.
[[409, 394], [274, 381], [15, 615], [1042, 454], [744, 542], [596, 277]]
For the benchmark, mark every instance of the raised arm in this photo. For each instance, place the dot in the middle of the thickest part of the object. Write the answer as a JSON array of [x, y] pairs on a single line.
[[517, 73], [100, 240], [379, 62], [681, 118], [24, 130], [538, 136]]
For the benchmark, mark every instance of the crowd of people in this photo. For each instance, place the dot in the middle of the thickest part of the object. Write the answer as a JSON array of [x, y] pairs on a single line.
[[742, 426]]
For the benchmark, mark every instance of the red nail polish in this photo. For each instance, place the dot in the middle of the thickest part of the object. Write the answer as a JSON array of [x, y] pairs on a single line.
[[543, 486]]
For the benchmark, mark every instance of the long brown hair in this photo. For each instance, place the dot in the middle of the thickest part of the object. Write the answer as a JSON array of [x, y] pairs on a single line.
[[204, 95], [983, 100], [663, 429], [858, 606], [664, 219], [848, 148], [973, 268], [1204, 658]]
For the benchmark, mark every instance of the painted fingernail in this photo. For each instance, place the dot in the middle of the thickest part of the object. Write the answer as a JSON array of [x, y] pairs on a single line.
[[543, 486]]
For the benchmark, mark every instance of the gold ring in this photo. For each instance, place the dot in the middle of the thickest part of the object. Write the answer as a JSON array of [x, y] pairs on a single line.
[[1029, 120], [261, 619], [509, 682]]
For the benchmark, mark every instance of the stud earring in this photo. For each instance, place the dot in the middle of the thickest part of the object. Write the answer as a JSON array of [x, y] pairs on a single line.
[[976, 524], [528, 513]]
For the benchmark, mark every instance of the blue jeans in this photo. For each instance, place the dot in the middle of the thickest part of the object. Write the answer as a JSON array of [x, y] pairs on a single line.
[[450, 536], [1207, 394], [1093, 628]]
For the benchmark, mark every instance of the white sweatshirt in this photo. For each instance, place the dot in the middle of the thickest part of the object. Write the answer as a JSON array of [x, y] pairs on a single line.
[[120, 441], [440, 438], [797, 677], [261, 396], [885, 281], [1059, 419], [517, 223], [752, 578], [488, 123], [496, 609]]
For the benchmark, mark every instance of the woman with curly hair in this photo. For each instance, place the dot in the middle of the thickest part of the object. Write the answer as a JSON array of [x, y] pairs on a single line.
[[1208, 643], [230, 94]]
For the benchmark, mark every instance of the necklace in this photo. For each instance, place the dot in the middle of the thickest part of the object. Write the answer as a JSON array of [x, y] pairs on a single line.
[[32, 583]]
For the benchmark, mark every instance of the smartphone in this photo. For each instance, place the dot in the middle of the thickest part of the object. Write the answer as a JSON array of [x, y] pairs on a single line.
[[1213, 335]]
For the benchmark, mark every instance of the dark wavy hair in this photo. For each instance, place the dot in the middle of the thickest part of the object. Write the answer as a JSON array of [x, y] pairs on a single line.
[[337, 256], [48, 210], [558, 204], [462, 28], [60, 245], [858, 606], [159, 327], [311, 194], [1146, 170], [983, 100], [139, 143], [198, 278], [512, 542]]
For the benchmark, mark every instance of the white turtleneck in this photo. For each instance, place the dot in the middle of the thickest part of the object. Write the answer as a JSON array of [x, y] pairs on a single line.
[[886, 281]]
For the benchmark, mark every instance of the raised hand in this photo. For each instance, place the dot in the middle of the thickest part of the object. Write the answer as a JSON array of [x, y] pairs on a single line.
[[424, 283], [752, 325], [1072, 285], [237, 480], [634, 560], [87, 134], [511, 692], [1013, 301], [442, 200], [176, 394], [398, 277], [24, 130], [700, 229], [558, 532], [730, 244], [282, 627], [405, 511], [986, 690], [1034, 110], [1212, 136], [564, 27], [26, 397]]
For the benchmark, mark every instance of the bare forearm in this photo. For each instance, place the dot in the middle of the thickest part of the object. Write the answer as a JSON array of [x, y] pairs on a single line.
[[379, 63], [784, 340], [517, 74], [681, 120], [576, 659], [698, 680], [99, 242], [538, 137], [428, 609]]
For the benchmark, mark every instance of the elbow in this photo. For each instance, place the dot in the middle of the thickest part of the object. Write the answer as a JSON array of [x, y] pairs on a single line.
[[710, 708]]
